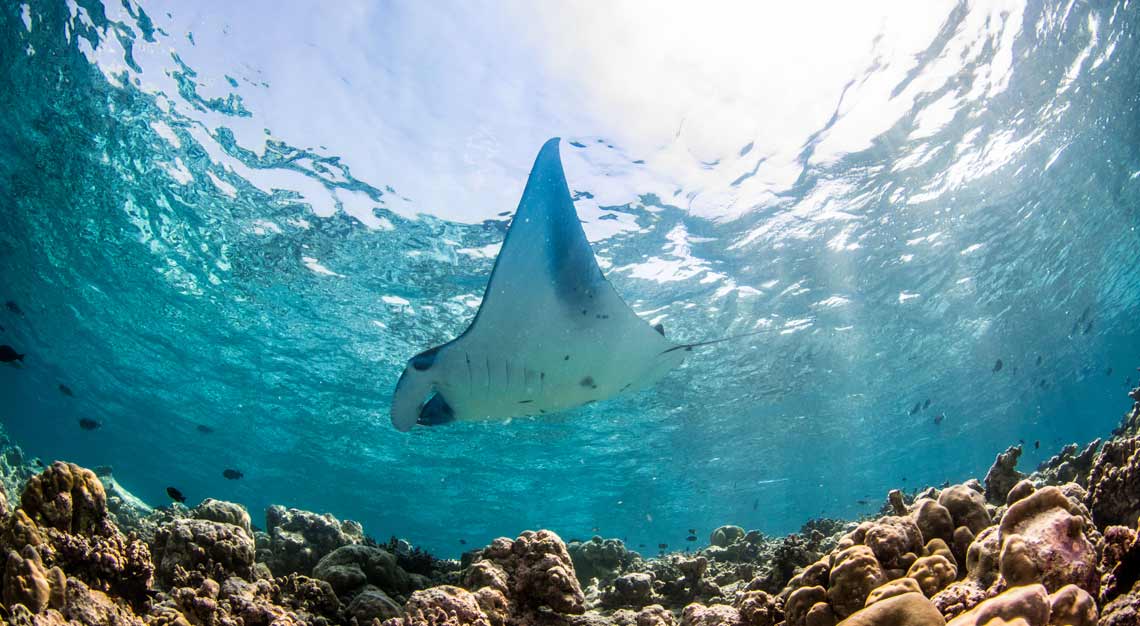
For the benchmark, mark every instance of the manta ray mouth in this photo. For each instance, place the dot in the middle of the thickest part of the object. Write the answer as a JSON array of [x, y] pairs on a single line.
[[436, 411]]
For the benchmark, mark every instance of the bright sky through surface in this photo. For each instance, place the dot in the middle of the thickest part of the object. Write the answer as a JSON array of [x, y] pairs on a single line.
[[482, 84]]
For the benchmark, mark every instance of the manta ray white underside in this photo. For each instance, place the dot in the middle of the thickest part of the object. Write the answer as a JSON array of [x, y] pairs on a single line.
[[551, 334]]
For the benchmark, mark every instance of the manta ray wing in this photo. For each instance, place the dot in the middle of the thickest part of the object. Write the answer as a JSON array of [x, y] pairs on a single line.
[[551, 333]]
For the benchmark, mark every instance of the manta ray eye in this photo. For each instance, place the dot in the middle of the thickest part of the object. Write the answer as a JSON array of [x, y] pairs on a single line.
[[425, 359]]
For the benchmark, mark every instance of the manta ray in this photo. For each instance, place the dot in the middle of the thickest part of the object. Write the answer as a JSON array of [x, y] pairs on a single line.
[[551, 333]]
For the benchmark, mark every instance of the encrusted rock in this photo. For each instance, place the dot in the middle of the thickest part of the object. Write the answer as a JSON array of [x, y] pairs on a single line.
[[967, 507], [298, 539], [715, 615], [1114, 484], [1072, 606], [758, 608], [351, 567], [211, 549], [539, 570], [372, 604], [726, 535], [65, 497], [907, 609], [1029, 603], [225, 512], [1003, 475], [599, 558], [854, 573], [958, 598], [634, 589], [1020, 491], [1043, 541], [933, 573], [933, 520]]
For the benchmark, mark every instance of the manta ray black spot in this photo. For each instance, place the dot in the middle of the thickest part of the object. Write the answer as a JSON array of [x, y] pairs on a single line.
[[659, 328], [425, 359], [588, 382]]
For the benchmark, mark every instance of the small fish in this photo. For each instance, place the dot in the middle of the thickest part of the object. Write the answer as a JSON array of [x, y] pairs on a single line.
[[39, 463], [692, 531], [175, 494], [1039, 359], [13, 307], [1108, 372], [916, 408], [862, 502], [1088, 328], [755, 503], [691, 538], [202, 428], [997, 366], [1043, 383], [86, 423], [8, 354], [232, 474], [904, 479], [1021, 441], [462, 542], [1037, 444], [641, 545], [662, 545], [926, 405], [65, 390], [938, 418]]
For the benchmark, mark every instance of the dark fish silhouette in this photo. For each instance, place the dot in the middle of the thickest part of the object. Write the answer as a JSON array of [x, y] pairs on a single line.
[[862, 502], [462, 542], [1021, 441], [755, 503], [13, 307], [641, 545], [1037, 445], [1108, 372], [662, 545], [86, 423], [1039, 359], [692, 531], [938, 418], [691, 538], [65, 390], [8, 354], [1088, 328], [175, 494], [916, 408], [232, 474], [997, 366], [904, 479], [926, 405], [202, 428]]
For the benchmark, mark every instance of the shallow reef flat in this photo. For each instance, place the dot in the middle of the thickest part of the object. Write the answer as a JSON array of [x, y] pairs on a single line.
[[1059, 546]]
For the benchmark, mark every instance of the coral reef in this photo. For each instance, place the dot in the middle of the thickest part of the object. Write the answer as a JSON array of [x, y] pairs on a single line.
[[1057, 547]]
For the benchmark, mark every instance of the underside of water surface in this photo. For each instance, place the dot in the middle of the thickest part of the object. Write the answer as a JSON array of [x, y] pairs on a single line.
[[222, 240]]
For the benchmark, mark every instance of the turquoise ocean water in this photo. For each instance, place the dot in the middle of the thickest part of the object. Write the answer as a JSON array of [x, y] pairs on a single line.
[[249, 219]]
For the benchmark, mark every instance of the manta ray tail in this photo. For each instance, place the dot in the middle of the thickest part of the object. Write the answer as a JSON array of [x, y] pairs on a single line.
[[687, 347]]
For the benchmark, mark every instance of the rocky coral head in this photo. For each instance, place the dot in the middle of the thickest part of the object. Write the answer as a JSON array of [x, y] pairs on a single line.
[[66, 497]]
